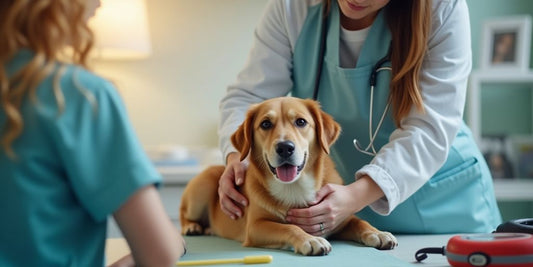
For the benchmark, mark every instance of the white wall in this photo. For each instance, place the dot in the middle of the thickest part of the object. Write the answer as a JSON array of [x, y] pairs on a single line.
[[199, 46]]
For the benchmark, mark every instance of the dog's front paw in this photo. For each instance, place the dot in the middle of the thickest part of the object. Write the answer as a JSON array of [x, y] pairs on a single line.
[[192, 228], [379, 240], [314, 246]]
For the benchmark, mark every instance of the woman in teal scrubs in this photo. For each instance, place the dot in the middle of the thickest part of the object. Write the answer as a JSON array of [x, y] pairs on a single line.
[[69, 158], [417, 169]]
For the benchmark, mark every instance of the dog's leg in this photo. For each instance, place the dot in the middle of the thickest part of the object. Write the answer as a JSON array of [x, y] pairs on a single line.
[[362, 232], [197, 198], [269, 234]]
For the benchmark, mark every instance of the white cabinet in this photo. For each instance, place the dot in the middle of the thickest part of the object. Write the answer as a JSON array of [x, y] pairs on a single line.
[[507, 189], [477, 79]]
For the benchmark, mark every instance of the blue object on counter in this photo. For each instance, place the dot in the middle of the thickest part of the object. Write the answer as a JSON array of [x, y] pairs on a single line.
[[171, 162]]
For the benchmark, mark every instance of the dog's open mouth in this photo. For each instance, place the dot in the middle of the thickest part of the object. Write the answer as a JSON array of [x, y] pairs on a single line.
[[287, 172]]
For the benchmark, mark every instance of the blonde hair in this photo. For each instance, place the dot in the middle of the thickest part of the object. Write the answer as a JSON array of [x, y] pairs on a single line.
[[45, 27], [409, 22]]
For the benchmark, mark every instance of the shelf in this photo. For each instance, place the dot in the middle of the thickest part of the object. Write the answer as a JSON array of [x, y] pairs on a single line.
[[179, 164], [513, 189], [477, 78], [180, 175], [503, 76]]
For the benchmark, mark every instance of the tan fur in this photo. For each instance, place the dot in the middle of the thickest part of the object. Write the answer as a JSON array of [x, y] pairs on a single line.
[[263, 223]]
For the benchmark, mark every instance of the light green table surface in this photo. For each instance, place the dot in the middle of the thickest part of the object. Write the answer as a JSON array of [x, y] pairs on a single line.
[[342, 254]]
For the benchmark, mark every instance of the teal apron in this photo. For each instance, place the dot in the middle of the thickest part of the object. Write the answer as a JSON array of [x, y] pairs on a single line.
[[458, 198]]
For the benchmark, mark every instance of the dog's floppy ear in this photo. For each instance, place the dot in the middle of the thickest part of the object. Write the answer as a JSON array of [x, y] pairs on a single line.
[[327, 129], [242, 139]]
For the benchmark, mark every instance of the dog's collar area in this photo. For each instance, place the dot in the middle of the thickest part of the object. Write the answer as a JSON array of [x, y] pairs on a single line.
[[286, 172]]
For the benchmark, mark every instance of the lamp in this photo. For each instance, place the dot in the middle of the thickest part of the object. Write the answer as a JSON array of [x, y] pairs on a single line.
[[121, 30]]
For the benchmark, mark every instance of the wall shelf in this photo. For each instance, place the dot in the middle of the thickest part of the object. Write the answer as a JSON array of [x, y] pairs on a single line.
[[180, 175], [505, 189], [513, 189], [477, 79]]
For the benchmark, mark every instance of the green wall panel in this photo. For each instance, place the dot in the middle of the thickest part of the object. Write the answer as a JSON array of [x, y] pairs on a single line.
[[512, 210], [506, 109]]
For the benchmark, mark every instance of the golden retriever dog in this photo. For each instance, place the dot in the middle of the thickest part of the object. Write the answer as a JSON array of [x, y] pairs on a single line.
[[287, 142]]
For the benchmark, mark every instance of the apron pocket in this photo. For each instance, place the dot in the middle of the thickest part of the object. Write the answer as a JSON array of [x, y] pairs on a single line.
[[466, 169], [454, 201]]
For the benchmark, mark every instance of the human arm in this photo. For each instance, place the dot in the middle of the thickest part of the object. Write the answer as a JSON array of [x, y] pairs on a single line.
[[420, 146], [151, 236], [105, 164], [333, 204], [233, 176], [125, 261]]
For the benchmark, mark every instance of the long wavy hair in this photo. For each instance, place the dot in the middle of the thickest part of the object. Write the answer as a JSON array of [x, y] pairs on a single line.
[[409, 22], [47, 28]]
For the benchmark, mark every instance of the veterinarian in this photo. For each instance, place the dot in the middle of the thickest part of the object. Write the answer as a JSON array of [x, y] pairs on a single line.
[[69, 157], [394, 75]]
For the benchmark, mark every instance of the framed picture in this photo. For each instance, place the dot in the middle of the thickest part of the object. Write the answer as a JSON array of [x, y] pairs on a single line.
[[506, 44]]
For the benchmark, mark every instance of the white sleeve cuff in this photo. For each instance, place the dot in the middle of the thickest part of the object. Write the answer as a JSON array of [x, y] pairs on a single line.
[[386, 204]]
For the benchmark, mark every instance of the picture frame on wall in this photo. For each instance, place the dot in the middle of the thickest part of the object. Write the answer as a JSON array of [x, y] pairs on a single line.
[[506, 44]]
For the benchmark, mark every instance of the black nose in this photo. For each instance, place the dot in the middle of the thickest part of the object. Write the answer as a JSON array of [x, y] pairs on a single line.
[[285, 149]]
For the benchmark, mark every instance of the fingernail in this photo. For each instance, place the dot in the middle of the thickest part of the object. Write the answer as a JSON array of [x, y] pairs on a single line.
[[238, 214], [243, 203], [232, 217]]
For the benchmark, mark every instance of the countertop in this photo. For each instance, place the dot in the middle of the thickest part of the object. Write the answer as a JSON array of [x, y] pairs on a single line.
[[343, 253]]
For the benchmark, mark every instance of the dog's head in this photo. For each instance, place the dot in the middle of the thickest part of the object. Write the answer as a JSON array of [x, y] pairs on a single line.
[[285, 135]]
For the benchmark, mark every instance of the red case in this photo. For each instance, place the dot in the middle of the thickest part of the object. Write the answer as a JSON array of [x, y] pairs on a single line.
[[496, 250]]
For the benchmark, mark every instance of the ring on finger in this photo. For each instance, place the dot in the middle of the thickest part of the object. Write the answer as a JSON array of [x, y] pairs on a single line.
[[321, 226]]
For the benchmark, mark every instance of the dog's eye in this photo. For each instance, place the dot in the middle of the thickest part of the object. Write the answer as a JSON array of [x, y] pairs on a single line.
[[300, 122], [266, 124]]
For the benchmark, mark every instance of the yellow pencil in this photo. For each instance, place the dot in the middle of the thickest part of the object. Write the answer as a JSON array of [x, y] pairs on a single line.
[[245, 260]]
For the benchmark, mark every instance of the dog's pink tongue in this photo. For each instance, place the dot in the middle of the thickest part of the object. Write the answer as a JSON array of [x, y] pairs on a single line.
[[286, 173]]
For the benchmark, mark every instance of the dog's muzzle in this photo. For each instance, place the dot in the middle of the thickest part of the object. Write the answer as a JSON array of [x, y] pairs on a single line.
[[286, 170]]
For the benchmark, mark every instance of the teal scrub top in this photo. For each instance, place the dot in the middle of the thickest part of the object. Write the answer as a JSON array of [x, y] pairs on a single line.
[[73, 168], [458, 198]]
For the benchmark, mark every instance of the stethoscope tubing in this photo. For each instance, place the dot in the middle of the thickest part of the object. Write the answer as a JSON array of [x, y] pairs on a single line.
[[370, 149]]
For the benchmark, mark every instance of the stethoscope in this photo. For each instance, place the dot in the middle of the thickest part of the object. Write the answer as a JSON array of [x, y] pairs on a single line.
[[378, 67]]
